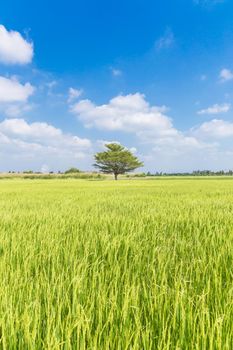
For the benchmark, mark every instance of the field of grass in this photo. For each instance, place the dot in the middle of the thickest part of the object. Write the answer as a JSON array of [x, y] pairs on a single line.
[[116, 265]]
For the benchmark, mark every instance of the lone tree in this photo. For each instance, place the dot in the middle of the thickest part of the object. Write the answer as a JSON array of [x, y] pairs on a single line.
[[117, 160]]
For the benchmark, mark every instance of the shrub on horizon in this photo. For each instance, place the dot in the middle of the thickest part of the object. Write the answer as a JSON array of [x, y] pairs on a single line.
[[72, 171]]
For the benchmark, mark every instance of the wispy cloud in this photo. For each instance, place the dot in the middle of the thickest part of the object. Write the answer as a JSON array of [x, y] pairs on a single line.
[[116, 72], [203, 77], [74, 94], [16, 110], [166, 41], [216, 109], [208, 2]]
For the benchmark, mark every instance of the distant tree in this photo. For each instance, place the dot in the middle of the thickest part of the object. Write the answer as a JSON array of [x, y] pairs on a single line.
[[72, 171], [117, 160], [27, 172]]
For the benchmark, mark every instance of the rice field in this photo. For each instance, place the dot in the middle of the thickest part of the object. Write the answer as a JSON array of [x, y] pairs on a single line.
[[137, 265]]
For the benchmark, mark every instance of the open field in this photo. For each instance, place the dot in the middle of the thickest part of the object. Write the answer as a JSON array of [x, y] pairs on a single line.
[[134, 264]]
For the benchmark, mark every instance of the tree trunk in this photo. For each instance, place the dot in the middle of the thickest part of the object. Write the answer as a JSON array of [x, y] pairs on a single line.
[[115, 176]]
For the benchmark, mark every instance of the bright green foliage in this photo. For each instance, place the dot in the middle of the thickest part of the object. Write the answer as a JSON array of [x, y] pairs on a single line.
[[117, 160], [137, 265]]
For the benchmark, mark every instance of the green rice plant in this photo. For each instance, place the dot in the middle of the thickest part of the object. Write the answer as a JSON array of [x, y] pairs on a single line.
[[134, 264]]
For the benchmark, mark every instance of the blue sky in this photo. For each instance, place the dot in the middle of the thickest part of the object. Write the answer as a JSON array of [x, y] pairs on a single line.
[[156, 76]]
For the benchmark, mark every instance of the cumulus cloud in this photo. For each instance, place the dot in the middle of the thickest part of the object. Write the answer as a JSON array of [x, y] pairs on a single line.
[[225, 75], [11, 90], [216, 128], [14, 97], [216, 109], [130, 113], [40, 142], [42, 133], [133, 114], [14, 49]]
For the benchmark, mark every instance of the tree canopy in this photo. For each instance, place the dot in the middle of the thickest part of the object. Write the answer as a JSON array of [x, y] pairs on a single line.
[[117, 160], [72, 171]]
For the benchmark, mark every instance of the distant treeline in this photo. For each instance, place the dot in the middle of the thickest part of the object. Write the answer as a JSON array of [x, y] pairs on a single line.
[[51, 175], [77, 174], [194, 173]]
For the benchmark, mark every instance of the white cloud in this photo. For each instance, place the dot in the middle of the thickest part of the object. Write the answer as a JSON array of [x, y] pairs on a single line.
[[129, 113], [74, 94], [216, 128], [225, 75], [11, 90], [133, 114], [42, 133], [51, 84], [14, 49], [166, 41], [216, 109], [116, 72], [208, 2], [38, 142], [20, 128], [15, 110]]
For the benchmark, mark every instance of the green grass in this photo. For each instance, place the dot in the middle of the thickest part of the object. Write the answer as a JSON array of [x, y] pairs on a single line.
[[116, 265]]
